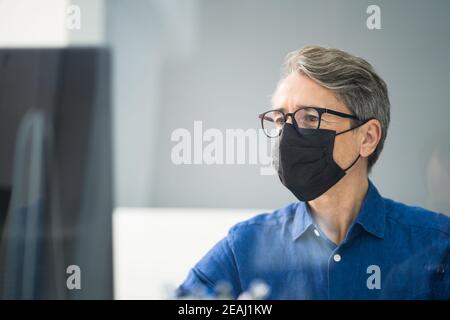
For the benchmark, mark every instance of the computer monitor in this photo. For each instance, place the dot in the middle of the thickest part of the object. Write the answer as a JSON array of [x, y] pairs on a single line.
[[56, 180]]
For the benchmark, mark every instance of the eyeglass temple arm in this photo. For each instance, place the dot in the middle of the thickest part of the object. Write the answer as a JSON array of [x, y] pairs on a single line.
[[342, 115]]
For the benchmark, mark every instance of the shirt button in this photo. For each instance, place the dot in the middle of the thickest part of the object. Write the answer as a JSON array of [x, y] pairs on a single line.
[[316, 232], [337, 257]]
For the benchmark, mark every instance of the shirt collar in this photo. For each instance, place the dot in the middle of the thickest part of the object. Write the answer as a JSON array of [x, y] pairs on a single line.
[[372, 215], [302, 220]]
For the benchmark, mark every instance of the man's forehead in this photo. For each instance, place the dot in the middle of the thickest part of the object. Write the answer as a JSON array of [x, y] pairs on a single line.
[[299, 90]]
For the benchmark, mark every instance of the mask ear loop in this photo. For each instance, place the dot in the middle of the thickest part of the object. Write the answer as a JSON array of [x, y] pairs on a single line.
[[355, 127], [352, 128], [353, 163]]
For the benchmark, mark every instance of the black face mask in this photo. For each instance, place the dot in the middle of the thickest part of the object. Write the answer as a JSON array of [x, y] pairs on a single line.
[[305, 164]]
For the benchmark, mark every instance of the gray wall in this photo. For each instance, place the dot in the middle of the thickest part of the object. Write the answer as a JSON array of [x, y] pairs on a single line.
[[217, 61]]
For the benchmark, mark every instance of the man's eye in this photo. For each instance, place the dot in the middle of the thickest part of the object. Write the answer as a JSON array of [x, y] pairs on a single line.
[[311, 118]]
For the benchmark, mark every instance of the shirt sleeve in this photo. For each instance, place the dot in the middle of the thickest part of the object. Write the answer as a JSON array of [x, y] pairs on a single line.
[[218, 266]]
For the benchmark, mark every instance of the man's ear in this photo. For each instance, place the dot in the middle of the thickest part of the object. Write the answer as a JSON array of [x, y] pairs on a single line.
[[371, 136]]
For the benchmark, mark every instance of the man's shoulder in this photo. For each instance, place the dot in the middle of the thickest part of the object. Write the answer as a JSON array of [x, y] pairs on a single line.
[[267, 220], [417, 218]]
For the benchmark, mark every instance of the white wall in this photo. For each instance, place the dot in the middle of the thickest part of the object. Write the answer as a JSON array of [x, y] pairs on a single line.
[[42, 23], [143, 35]]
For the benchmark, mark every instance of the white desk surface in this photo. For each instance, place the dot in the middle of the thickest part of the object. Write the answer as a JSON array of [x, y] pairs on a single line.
[[154, 248]]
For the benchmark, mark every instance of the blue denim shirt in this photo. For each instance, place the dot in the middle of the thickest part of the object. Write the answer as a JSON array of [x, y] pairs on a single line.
[[391, 251]]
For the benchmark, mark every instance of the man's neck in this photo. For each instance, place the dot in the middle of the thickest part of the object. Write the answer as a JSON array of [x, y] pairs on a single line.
[[335, 210]]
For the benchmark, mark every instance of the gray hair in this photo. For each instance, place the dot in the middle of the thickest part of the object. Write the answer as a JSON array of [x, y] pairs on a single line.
[[352, 79]]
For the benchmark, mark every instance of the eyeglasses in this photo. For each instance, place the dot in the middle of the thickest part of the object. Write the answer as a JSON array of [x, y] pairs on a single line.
[[272, 121]]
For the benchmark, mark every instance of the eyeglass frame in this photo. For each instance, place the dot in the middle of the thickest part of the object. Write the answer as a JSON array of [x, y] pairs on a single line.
[[319, 110]]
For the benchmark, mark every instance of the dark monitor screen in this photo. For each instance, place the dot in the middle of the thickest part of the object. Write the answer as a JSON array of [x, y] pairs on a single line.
[[55, 174]]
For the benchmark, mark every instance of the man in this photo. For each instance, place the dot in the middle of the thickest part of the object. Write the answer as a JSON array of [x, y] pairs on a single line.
[[343, 240]]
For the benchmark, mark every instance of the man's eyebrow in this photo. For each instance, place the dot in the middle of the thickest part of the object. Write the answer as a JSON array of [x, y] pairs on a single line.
[[299, 106], [307, 106]]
